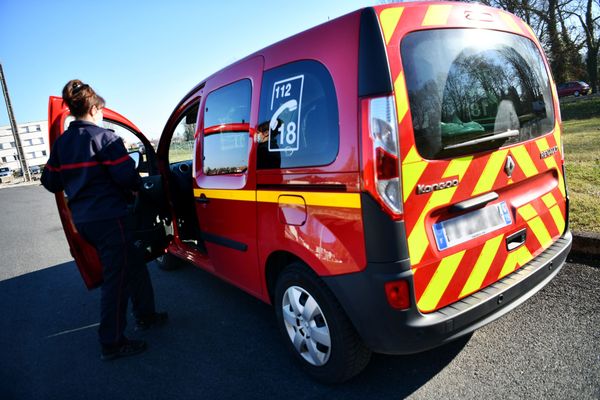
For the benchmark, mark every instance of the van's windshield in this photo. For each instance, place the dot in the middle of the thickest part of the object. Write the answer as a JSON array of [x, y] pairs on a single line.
[[472, 90]]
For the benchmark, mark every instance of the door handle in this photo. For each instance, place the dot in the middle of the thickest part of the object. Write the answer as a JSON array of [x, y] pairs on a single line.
[[203, 199], [516, 239], [475, 202]]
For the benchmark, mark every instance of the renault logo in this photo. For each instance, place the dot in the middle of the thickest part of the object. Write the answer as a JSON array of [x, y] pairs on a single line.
[[509, 167]]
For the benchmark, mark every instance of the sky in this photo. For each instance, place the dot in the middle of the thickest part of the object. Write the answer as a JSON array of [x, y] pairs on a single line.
[[142, 57]]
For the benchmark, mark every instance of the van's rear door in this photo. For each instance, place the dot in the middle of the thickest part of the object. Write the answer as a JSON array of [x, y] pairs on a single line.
[[482, 175]]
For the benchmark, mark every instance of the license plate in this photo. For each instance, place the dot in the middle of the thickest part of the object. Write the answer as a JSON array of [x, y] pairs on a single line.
[[454, 231]]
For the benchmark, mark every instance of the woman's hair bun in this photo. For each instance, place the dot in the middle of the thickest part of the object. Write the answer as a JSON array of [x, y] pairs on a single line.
[[80, 98]]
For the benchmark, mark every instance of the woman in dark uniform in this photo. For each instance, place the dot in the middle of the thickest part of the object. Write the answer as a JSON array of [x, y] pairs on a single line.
[[92, 166]]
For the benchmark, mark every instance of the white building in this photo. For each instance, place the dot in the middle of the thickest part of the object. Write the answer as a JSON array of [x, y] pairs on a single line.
[[34, 139]]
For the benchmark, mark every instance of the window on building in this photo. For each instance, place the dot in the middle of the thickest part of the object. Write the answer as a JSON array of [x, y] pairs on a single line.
[[44, 153], [226, 129], [5, 146], [298, 117]]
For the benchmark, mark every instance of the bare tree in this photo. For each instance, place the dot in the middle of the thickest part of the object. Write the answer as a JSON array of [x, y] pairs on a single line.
[[590, 24], [565, 28]]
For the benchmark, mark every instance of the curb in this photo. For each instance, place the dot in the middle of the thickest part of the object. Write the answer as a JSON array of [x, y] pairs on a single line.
[[19, 184], [586, 248], [587, 243]]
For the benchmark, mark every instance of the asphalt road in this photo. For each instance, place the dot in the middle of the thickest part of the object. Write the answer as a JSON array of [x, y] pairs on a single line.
[[222, 343]]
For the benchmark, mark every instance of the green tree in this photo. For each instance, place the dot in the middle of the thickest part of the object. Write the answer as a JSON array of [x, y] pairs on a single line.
[[189, 132]]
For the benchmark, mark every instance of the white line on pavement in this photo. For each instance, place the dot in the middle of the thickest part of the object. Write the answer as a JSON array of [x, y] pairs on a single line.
[[73, 330]]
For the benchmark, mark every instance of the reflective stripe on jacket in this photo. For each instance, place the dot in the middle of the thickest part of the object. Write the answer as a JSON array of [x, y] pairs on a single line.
[[93, 167]]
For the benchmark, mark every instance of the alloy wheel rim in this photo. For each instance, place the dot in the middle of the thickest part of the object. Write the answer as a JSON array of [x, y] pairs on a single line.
[[306, 326]]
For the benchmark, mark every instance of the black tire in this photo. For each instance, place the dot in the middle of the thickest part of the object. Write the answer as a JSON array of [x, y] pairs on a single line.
[[169, 262], [346, 356], [576, 93]]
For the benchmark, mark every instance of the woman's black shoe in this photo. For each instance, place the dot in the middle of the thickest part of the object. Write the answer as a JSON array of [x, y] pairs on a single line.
[[156, 319], [124, 349]]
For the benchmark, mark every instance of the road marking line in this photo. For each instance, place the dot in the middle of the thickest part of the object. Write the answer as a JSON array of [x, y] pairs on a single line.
[[73, 330]]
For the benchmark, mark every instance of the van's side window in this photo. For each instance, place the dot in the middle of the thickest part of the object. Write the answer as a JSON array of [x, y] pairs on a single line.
[[226, 129], [182, 141], [298, 117]]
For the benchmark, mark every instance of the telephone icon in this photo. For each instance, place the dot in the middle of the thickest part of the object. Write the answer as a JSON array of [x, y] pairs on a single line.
[[290, 105]]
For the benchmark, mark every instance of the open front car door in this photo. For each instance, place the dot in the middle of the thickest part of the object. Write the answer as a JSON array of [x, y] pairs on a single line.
[[148, 214]]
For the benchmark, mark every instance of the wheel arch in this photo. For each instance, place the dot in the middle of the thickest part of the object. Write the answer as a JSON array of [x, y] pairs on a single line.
[[275, 264]]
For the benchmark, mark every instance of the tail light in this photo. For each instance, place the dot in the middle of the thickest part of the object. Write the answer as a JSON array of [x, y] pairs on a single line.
[[398, 294], [381, 154]]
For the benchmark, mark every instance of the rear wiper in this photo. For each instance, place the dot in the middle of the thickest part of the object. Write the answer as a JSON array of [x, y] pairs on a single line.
[[511, 133]]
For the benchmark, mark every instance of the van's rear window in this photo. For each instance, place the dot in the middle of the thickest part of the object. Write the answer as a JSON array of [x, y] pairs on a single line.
[[472, 90]]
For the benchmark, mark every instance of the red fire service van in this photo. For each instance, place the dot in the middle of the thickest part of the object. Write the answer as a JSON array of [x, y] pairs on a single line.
[[389, 181]]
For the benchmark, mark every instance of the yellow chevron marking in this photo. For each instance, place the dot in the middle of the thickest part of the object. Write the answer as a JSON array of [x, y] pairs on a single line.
[[550, 202], [554, 90], [519, 257], [458, 166], [557, 136], [437, 15], [543, 145], [510, 22], [549, 199], [389, 20], [401, 96], [531, 32], [561, 184], [417, 240], [527, 212], [412, 169], [490, 172], [412, 156], [536, 225], [524, 160], [540, 231], [482, 266], [438, 284], [344, 200], [559, 220]]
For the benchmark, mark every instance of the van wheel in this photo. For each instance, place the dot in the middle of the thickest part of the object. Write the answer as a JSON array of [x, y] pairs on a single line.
[[168, 262], [576, 93], [315, 328]]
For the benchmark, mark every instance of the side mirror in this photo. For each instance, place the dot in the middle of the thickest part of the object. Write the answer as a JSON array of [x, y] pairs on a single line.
[[136, 157]]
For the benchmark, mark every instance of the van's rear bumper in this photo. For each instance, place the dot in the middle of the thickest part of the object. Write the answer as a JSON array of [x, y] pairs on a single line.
[[386, 330]]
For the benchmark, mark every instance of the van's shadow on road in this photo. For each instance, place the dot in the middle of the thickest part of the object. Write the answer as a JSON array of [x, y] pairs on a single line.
[[219, 343]]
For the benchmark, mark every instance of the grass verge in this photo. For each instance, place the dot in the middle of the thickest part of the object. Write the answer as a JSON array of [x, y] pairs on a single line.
[[581, 138]]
